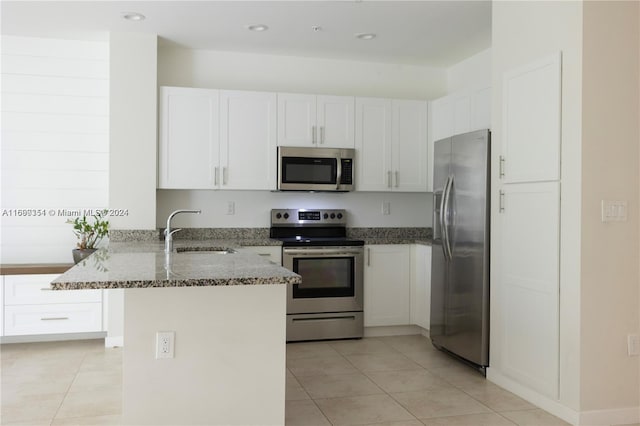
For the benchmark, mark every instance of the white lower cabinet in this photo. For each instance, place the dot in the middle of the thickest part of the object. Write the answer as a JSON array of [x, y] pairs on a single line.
[[387, 282], [421, 286], [30, 307], [52, 319]]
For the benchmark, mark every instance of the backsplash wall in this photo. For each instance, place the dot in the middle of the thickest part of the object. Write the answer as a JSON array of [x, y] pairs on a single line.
[[252, 208]]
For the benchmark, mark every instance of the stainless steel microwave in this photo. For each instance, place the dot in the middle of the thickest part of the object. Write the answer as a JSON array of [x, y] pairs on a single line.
[[315, 169]]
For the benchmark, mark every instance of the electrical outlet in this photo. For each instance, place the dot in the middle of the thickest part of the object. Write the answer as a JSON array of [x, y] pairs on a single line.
[[231, 207], [633, 345], [386, 208], [165, 344]]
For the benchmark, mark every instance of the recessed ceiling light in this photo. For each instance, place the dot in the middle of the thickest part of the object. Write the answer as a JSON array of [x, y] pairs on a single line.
[[366, 36], [257, 27], [133, 16]]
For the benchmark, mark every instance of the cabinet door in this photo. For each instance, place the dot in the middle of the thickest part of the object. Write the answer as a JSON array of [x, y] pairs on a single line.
[[531, 122], [409, 146], [421, 286], [248, 140], [461, 105], [297, 120], [52, 319], [35, 289], [336, 121], [373, 144], [527, 289], [387, 281], [189, 132], [272, 253], [440, 127], [481, 109]]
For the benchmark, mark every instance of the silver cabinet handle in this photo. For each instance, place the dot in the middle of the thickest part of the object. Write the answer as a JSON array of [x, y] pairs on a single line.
[[368, 257], [501, 202], [501, 167], [225, 175], [321, 134], [215, 176], [313, 135], [397, 179], [54, 319], [389, 179]]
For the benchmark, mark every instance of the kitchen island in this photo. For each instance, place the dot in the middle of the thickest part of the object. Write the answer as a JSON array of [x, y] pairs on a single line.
[[228, 313]]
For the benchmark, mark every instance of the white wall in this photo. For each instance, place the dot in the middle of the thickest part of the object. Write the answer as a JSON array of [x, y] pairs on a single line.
[[252, 208], [55, 142], [250, 71], [246, 71], [473, 71], [133, 146], [133, 128], [610, 278]]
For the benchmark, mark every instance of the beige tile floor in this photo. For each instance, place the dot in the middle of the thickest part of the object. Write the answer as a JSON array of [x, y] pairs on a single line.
[[399, 381]]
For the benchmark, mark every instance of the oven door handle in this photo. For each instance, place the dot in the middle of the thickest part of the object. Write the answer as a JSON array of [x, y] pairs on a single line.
[[323, 252]]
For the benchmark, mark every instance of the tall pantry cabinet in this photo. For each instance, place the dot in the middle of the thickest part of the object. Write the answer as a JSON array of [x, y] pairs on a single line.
[[526, 228]]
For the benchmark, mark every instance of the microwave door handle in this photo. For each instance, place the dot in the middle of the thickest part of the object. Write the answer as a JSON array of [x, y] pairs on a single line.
[[339, 173]]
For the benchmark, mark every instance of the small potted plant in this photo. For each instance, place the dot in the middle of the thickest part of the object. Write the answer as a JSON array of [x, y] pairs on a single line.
[[89, 235]]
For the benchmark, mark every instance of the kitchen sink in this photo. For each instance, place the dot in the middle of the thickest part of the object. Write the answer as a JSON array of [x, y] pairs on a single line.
[[214, 250]]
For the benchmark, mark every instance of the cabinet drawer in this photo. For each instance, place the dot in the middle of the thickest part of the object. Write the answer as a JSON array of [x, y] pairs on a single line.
[[52, 319], [34, 289]]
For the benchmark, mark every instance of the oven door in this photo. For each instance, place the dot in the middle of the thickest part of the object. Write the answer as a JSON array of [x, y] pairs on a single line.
[[332, 279]]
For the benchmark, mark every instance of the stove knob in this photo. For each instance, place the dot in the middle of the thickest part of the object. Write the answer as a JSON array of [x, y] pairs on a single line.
[[286, 215], [326, 215], [333, 215], [339, 215], [278, 215]]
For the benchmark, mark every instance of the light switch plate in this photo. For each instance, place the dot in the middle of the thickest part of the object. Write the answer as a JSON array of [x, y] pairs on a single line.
[[614, 211]]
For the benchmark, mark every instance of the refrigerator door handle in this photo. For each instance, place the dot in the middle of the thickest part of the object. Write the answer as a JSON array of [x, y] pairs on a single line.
[[446, 197], [443, 225]]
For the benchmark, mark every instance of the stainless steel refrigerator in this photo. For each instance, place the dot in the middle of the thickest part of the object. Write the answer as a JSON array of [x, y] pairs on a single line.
[[460, 252]]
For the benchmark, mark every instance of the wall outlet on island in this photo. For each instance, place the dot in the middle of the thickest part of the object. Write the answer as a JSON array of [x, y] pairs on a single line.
[[231, 207], [165, 344]]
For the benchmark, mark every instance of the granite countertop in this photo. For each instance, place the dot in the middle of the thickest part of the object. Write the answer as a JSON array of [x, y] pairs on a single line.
[[144, 264]]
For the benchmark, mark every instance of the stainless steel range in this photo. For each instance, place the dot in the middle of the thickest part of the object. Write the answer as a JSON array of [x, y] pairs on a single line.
[[328, 304]]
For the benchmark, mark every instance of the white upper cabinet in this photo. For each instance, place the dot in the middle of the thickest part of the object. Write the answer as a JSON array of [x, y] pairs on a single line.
[[460, 112], [189, 131], [211, 139], [391, 143], [373, 144], [531, 122], [248, 140], [315, 121], [297, 124], [409, 146]]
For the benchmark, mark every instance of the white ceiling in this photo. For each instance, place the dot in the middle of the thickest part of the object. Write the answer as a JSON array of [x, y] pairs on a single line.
[[435, 33]]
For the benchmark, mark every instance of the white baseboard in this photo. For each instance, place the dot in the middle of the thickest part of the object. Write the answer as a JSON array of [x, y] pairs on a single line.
[[395, 330], [114, 342], [53, 337], [617, 416], [550, 405]]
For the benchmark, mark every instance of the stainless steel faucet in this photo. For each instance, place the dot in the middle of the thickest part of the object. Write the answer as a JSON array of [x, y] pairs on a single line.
[[168, 233]]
